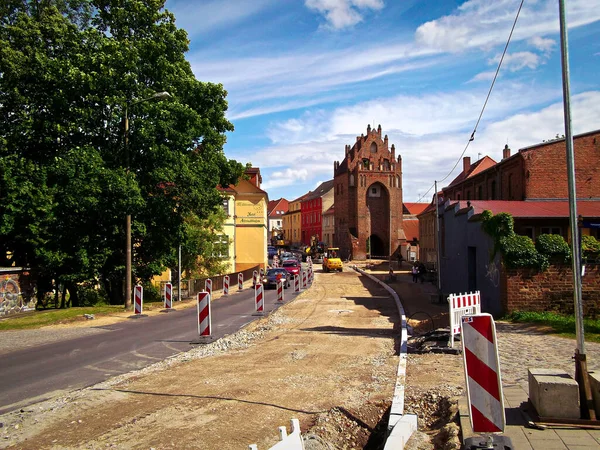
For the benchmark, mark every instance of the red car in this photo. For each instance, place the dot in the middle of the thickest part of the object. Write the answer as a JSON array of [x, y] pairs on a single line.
[[293, 266]]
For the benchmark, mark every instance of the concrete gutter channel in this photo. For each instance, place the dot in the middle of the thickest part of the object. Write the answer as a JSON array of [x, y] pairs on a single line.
[[400, 426]]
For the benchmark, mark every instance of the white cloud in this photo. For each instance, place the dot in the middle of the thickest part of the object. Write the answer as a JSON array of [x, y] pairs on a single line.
[[483, 76], [483, 24], [282, 178], [343, 13], [544, 45], [517, 61]]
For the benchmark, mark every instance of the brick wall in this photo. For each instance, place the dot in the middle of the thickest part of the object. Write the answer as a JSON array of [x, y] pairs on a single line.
[[552, 290]]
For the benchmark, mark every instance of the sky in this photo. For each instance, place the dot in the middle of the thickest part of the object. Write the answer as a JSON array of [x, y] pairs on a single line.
[[305, 77]]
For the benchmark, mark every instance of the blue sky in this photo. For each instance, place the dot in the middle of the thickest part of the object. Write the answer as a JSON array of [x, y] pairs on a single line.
[[305, 77]]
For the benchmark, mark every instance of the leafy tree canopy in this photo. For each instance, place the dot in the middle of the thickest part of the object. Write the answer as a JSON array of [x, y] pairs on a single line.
[[70, 71]]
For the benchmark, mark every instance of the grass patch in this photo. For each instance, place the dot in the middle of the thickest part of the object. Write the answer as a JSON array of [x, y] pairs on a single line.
[[36, 319], [561, 324]]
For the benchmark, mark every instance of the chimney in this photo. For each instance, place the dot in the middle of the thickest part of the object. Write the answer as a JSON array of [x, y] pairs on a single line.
[[466, 164], [506, 152]]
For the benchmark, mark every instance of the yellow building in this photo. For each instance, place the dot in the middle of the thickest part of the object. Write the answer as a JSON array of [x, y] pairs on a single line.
[[250, 215], [228, 237], [292, 223]]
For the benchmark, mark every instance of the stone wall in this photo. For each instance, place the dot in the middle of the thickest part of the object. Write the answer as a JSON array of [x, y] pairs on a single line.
[[551, 290]]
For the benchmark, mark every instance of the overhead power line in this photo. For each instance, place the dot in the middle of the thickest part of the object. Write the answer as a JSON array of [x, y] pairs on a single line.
[[472, 137]]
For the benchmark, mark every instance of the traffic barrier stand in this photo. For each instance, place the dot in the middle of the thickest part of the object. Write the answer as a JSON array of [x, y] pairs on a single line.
[[460, 305], [204, 319], [296, 283], [482, 372], [208, 286], [254, 278], [310, 274], [226, 285], [240, 281], [168, 298], [138, 301], [280, 291], [259, 300], [261, 272], [304, 279]]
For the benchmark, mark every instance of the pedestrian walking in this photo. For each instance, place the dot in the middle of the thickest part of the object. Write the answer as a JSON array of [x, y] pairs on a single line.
[[422, 270], [415, 272]]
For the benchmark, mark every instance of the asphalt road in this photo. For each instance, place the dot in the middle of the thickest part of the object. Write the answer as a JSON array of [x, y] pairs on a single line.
[[38, 373]]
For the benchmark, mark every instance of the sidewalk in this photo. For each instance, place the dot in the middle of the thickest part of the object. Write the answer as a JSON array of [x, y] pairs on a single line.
[[535, 349]]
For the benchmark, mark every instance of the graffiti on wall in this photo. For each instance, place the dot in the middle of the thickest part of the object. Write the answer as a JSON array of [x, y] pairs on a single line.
[[492, 273], [11, 298]]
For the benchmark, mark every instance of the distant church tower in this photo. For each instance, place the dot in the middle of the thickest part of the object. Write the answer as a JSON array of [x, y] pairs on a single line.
[[368, 198]]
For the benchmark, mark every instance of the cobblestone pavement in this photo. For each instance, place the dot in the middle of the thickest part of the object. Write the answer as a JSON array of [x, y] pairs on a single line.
[[522, 346]]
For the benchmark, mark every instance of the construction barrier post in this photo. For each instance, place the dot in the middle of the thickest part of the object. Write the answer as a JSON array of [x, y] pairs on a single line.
[[204, 318], [259, 300], [280, 291], [296, 283], [240, 281], [168, 296], [138, 304], [208, 286], [254, 278], [226, 285]]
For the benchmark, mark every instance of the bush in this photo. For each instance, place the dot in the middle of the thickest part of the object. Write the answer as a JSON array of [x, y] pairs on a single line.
[[590, 248], [152, 293], [519, 251], [554, 247], [91, 296]]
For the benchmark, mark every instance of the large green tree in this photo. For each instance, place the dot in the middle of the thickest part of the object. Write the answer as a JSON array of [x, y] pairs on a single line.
[[69, 71]]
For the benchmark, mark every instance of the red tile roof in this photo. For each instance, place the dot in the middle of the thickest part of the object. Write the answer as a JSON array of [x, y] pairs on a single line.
[[411, 229], [532, 209], [478, 166], [415, 208]]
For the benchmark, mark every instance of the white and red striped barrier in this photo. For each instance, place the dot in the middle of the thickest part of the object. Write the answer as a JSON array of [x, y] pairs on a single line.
[[254, 278], [138, 299], [259, 299], [208, 286], [280, 291], [304, 279], [168, 296], [240, 281], [482, 371], [204, 319], [296, 283], [226, 285], [310, 274], [460, 305], [261, 272]]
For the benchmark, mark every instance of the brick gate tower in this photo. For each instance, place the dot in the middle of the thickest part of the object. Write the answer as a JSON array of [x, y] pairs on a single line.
[[368, 198]]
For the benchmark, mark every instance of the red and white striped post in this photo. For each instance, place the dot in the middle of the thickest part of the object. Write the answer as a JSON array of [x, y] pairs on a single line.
[[204, 319], [261, 272], [254, 278], [138, 303], [240, 281], [226, 285], [280, 291], [259, 300], [168, 296], [296, 283], [208, 286], [304, 280], [310, 274], [482, 371]]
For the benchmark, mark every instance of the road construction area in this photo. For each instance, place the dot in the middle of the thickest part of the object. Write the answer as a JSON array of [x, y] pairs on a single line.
[[328, 358]]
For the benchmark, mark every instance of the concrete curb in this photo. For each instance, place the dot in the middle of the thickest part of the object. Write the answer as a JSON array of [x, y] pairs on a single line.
[[405, 424]]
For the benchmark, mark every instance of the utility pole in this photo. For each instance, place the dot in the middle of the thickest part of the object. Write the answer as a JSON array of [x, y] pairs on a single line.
[[437, 241], [581, 373]]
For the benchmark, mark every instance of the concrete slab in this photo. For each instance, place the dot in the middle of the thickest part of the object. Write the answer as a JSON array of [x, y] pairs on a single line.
[[553, 393], [576, 437], [594, 377]]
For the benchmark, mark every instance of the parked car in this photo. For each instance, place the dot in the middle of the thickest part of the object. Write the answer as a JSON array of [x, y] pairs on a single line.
[[293, 266], [287, 255], [272, 276], [271, 251]]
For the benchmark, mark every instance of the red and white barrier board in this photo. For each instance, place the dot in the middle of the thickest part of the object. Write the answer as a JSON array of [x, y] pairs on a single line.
[[280, 291], [482, 372], [460, 305], [208, 286], [254, 278], [168, 296], [240, 281], [226, 285], [296, 283], [138, 299], [259, 299], [204, 319]]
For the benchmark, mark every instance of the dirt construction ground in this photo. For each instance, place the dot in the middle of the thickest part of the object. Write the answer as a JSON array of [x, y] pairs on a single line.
[[328, 358]]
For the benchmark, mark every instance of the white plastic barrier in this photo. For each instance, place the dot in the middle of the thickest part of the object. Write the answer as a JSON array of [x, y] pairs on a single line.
[[292, 441], [461, 304]]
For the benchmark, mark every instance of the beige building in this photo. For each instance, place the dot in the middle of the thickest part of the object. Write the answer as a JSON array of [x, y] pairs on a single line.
[[329, 226]]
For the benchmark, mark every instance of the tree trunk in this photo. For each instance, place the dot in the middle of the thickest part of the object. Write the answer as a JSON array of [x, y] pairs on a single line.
[[63, 297], [73, 294]]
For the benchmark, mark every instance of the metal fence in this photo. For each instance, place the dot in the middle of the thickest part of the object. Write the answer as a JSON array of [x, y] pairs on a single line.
[[191, 287]]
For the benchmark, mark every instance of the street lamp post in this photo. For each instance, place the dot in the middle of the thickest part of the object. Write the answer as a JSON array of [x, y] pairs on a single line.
[[157, 96]]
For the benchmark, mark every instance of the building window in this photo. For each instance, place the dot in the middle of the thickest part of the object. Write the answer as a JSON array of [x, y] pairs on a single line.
[[366, 163], [373, 147], [530, 233], [226, 205], [221, 247], [352, 180]]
